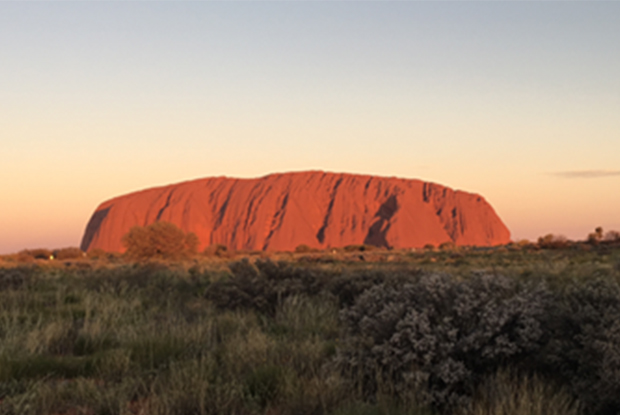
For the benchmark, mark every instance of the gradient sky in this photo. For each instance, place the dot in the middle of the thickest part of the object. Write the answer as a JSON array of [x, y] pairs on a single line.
[[517, 101]]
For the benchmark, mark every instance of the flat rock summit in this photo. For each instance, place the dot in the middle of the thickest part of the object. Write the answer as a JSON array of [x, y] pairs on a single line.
[[322, 210]]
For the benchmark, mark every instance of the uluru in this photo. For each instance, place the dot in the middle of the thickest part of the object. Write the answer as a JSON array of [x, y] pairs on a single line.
[[279, 212]]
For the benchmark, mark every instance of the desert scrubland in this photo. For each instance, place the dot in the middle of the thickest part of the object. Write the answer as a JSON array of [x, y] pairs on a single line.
[[518, 329]]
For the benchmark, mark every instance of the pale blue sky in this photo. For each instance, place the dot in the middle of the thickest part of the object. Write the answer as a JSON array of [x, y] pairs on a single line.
[[518, 101]]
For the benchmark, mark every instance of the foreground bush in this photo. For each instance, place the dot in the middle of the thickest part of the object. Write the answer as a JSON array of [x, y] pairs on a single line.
[[262, 286], [439, 336], [584, 344]]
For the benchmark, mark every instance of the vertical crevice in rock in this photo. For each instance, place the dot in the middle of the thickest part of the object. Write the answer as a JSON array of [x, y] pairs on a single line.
[[222, 210], [164, 207], [277, 221], [320, 236]]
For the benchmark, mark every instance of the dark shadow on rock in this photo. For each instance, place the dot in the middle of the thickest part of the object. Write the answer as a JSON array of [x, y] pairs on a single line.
[[93, 227], [378, 230]]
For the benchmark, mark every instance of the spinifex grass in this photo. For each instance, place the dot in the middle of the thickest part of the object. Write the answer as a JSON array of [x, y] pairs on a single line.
[[134, 339]]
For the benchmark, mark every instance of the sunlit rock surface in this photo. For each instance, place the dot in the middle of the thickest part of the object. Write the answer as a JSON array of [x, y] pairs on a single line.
[[321, 210]]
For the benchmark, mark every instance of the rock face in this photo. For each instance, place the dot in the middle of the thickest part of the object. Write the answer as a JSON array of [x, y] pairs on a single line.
[[321, 210]]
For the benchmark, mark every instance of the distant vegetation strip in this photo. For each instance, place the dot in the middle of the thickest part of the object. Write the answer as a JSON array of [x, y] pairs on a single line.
[[166, 241]]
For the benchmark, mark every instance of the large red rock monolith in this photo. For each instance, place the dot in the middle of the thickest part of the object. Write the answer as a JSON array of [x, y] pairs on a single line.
[[321, 210]]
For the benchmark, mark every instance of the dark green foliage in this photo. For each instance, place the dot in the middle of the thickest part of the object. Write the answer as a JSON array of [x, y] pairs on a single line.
[[13, 278], [348, 286], [155, 352], [41, 366], [262, 286], [584, 348], [85, 345], [441, 335], [264, 384]]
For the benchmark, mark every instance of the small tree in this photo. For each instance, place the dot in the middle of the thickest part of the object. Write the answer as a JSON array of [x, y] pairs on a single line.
[[159, 240], [595, 237], [599, 232], [551, 241]]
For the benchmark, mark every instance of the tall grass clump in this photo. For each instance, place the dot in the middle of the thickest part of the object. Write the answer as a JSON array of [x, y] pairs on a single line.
[[505, 393]]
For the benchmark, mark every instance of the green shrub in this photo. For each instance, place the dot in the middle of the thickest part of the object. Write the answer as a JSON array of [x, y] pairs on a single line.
[[440, 335], [262, 286], [584, 345], [159, 240]]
